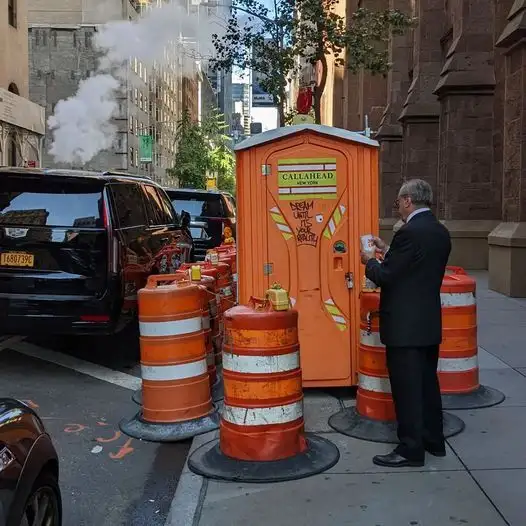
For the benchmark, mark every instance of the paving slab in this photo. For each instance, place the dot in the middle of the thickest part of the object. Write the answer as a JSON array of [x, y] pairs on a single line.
[[522, 370], [493, 439], [490, 361], [395, 499], [507, 346], [356, 457], [317, 408], [509, 382], [106, 478], [506, 490]]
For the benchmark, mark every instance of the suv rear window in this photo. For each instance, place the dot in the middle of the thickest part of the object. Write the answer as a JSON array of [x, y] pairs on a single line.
[[198, 205], [50, 202]]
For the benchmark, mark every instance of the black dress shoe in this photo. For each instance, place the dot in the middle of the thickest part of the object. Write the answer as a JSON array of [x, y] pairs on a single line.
[[394, 460]]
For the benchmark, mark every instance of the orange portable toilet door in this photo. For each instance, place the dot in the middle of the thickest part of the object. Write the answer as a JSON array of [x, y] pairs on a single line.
[[308, 252]]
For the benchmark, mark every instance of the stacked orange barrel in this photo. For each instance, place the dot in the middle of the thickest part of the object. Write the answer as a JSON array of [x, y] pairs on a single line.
[[228, 254], [225, 280], [207, 284], [175, 379], [458, 368], [219, 273], [261, 436]]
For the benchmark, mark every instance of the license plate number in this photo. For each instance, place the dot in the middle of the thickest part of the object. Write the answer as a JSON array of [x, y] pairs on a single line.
[[17, 259]]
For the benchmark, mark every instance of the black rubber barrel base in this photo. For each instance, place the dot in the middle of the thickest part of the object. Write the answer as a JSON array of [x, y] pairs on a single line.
[[481, 397], [136, 427], [137, 396], [208, 461], [349, 422], [217, 392]]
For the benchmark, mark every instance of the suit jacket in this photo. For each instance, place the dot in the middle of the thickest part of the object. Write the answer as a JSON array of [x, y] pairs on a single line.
[[410, 278]]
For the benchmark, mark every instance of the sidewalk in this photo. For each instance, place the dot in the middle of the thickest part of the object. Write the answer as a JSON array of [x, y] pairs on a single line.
[[481, 482]]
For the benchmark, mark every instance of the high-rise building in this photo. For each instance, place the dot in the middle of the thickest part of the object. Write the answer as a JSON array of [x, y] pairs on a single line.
[[21, 121], [150, 102]]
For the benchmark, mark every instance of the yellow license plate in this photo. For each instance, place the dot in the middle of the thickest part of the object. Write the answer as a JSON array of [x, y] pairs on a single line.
[[17, 259]]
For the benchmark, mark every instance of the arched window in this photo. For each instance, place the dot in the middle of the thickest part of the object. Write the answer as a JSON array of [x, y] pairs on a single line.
[[13, 88]]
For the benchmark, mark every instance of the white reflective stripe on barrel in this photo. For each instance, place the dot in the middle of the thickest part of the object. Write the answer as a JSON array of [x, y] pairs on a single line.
[[457, 299], [261, 364], [457, 365], [371, 340], [260, 416], [163, 373], [374, 383], [170, 328], [206, 322]]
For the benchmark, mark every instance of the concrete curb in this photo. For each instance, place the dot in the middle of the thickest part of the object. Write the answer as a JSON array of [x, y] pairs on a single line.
[[190, 493]]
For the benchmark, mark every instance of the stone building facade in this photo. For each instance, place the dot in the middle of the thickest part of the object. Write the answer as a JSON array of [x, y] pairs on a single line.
[[452, 110], [21, 121]]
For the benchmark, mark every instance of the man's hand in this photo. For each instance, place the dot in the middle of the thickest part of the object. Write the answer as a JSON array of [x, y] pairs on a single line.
[[367, 255], [380, 244]]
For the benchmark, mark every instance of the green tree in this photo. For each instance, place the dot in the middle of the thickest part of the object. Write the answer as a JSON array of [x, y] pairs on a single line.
[[201, 149], [221, 160], [191, 158], [280, 42]]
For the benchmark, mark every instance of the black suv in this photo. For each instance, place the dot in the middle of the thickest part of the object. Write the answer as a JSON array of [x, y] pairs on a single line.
[[211, 212], [76, 246]]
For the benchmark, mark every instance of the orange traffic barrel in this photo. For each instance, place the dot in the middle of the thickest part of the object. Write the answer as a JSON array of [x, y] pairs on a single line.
[[210, 323], [458, 369], [261, 435], [374, 417], [222, 261], [176, 399], [228, 254], [218, 273]]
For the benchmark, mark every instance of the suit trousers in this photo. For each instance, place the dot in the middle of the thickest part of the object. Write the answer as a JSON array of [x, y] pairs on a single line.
[[417, 400]]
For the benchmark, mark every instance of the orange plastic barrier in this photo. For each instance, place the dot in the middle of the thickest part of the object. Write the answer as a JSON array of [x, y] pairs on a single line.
[[261, 434], [374, 417], [176, 395], [458, 368], [373, 399], [262, 417], [220, 277], [175, 385], [228, 254]]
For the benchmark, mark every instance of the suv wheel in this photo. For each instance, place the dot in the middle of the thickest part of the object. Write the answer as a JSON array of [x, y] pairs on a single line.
[[44, 505]]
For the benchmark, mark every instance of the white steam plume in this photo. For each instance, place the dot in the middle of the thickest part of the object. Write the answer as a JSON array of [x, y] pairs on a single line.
[[82, 124]]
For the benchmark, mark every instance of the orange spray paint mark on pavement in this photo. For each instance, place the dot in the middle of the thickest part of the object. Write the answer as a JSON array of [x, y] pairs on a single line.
[[115, 436], [126, 449], [74, 428]]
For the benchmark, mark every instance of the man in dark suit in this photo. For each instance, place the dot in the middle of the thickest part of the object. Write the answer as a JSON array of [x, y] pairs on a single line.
[[410, 278]]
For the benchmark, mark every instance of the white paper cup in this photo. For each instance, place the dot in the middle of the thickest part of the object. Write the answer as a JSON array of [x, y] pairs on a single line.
[[367, 243]]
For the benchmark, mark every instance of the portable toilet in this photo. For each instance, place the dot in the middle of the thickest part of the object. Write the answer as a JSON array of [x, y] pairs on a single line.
[[305, 195]]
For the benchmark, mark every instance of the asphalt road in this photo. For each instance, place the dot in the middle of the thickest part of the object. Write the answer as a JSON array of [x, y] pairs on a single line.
[[107, 479]]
